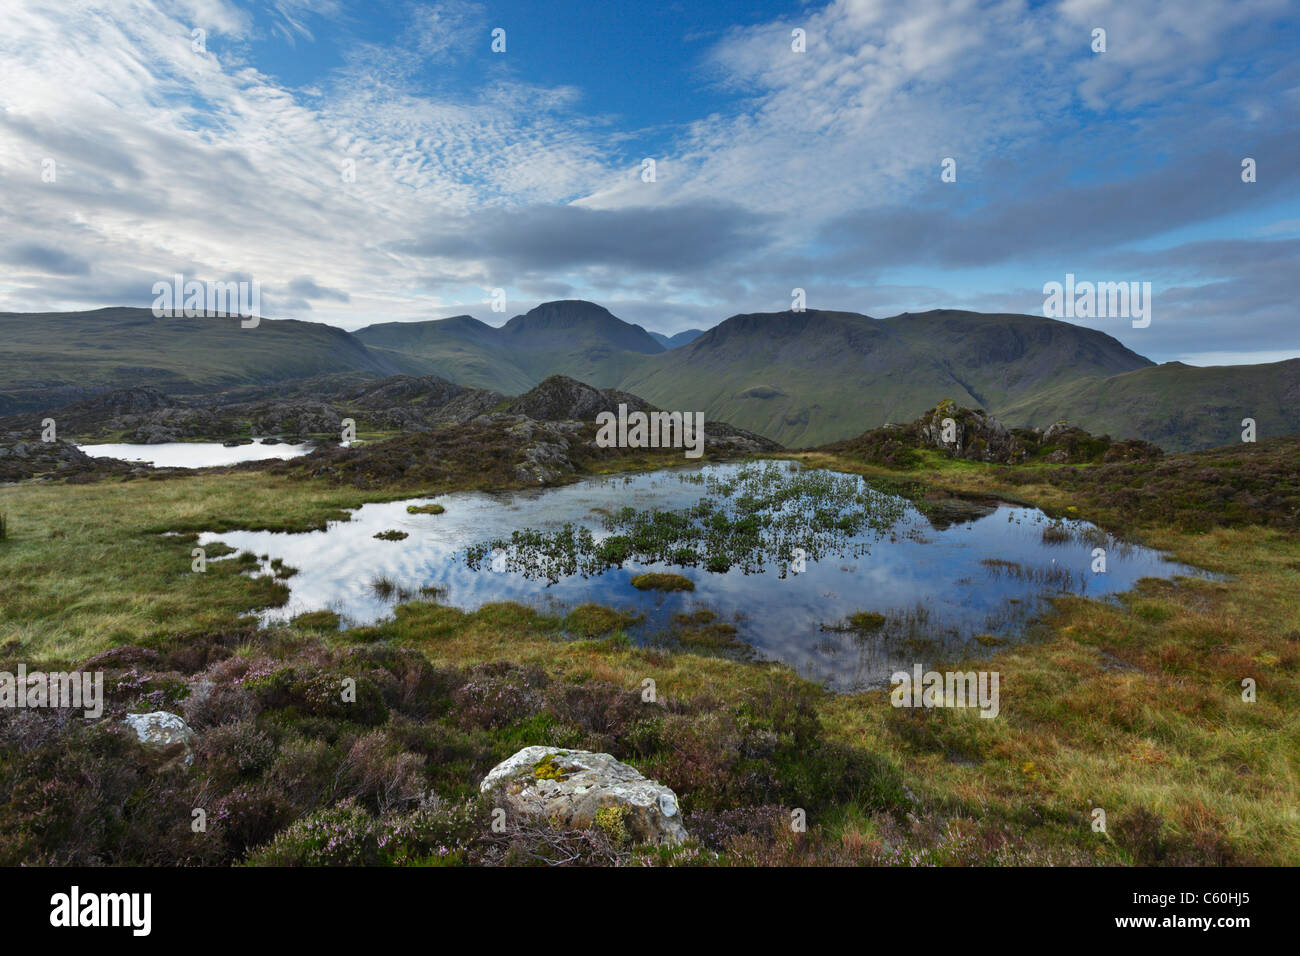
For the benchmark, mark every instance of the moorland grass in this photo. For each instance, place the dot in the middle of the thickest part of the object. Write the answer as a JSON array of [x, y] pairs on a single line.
[[1132, 706]]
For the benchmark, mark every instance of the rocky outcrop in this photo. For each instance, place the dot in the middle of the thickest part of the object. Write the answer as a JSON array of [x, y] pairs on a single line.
[[294, 417], [580, 789], [975, 435], [723, 439], [425, 391], [545, 455], [560, 397], [971, 434], [22, 458]]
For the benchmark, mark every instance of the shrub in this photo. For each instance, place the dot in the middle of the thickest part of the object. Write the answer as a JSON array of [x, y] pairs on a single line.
[[381, 774], [499, 694], [346, 835]]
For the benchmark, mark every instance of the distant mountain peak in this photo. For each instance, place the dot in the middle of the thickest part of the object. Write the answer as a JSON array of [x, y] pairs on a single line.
[[595, 322]]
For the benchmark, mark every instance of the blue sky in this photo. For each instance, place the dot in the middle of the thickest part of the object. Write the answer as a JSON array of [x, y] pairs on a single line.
[[775, 169]]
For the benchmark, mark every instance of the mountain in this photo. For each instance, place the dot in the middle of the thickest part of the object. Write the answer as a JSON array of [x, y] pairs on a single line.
[[799, 378], [570, 337], [579, 339], [461, 349], [681, 338], [805, 378], [95, 351]]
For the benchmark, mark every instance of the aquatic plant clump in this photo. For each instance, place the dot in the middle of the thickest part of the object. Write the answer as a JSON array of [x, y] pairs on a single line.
[[762, 513], [658, 581]]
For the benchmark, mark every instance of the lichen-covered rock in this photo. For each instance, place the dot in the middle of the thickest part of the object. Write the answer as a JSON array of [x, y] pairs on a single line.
[[166, 737], [573, 787], [22, 458]]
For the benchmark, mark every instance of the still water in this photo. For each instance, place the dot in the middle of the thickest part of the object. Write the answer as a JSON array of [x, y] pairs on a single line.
[[945, 593], [196, 454]]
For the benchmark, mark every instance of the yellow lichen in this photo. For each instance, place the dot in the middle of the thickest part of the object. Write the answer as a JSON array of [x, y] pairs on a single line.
[[547, 769]]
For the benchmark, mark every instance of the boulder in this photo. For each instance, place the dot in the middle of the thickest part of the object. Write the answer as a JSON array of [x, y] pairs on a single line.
[[166, 737], [582, 790]]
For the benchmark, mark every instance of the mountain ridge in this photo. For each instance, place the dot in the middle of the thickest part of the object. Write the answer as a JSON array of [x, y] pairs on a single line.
[[800, 378]]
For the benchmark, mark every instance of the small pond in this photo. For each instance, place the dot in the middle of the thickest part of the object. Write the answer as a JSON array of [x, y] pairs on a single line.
[[194, 454], [789, 555]]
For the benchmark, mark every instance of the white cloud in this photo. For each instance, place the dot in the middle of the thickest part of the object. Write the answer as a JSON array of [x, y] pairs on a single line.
[[169, 160]]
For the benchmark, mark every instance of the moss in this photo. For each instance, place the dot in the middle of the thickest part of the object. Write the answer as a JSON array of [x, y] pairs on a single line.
[[432, 509], [659, 581], [391, 535], [612, 821]]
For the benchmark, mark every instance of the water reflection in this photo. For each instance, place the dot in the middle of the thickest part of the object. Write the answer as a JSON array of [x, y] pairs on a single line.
[[198, 454], [941, 593]]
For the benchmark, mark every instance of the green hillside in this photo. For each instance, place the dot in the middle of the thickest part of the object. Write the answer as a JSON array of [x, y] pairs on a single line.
[[122, 347], [806, 378], [1179, 407], [460, 349], [803, 379]]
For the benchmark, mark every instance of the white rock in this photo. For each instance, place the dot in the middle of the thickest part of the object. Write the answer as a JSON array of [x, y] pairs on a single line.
[[587, 782], [167, 735]]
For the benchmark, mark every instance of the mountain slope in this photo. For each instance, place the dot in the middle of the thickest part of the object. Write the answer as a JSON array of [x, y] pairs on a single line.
[[797, 377], [680, 338], [461, 349], [999, 358], [804, 378], [1179, 407], [123, 347], [579, 339]]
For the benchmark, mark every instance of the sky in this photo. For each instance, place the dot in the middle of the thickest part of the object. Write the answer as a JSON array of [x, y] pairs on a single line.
[[380, 160]]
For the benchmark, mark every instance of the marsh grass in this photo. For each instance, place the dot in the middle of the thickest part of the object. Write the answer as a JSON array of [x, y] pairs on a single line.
[[386, 588], [748, 519], [93, 567]]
